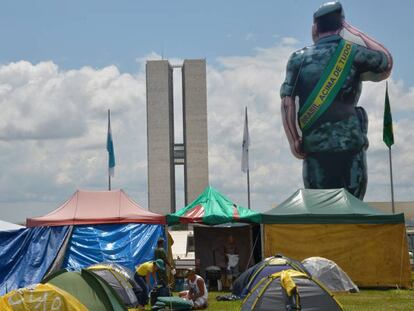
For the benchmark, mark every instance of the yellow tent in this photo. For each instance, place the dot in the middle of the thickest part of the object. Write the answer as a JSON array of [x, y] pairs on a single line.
[[40, 297]]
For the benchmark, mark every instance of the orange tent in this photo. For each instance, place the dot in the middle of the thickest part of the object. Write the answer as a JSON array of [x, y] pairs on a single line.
[[97, 207]]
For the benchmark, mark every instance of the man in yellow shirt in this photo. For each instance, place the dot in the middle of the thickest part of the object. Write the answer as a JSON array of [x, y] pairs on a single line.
[[142, 277]]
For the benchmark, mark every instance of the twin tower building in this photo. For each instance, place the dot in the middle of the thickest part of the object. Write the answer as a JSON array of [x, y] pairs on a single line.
[[163, 150]]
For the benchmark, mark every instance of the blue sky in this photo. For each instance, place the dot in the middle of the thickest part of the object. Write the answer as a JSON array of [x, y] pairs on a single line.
[[64, 63], [98, 33]]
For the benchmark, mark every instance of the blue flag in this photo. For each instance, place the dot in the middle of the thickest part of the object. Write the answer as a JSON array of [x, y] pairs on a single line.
[[110, 148]]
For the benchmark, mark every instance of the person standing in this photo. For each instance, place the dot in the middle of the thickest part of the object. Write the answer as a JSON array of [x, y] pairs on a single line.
[[231, 258], [160, 253], [142, 276]]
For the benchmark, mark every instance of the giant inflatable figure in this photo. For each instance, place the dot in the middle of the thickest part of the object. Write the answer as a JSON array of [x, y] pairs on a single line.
[[325, 79]]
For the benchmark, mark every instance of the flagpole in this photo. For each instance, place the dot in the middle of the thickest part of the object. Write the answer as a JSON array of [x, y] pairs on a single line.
[[392, 182], [388, 138], [109, 174], [245, 167], [248, 188]]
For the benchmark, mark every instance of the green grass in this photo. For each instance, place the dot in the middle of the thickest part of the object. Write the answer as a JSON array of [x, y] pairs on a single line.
[[365, 300], [368, 300]]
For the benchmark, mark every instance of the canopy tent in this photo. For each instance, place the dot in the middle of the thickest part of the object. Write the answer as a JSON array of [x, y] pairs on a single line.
[[97, 207], [105, 226], [7, 226], [371, 246], [333, 206], [213, 208]]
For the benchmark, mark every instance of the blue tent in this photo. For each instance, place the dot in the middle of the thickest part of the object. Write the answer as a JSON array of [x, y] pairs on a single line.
[[27, 255]]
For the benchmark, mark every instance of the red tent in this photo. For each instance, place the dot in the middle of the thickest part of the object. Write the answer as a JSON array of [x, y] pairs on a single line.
[[97, 207]]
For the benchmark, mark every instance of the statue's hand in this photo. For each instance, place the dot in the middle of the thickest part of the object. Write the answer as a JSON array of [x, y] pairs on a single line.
[[350, 33], [297, 149]]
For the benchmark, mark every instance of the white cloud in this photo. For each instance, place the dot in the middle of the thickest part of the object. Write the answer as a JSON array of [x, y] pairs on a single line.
[[53, 132]]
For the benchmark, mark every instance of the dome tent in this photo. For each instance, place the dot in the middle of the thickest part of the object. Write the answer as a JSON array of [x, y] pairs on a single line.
[[90, 289], [289, 290], [121, 280], [249, 278], [40, 297], [329, 274]]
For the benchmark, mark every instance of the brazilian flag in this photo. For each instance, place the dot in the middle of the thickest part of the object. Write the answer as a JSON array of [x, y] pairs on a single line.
[[388, 133]]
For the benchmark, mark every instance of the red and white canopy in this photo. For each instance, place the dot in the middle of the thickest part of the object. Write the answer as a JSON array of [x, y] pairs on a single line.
[[97, 207]]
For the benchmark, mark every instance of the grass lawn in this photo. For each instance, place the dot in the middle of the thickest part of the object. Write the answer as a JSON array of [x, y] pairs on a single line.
[[365, 300]]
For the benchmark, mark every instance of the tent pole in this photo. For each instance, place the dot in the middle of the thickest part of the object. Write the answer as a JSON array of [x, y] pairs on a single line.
[[262, 242]]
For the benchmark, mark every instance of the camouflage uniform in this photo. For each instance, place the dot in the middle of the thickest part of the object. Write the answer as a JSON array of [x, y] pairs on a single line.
[[335, 144]]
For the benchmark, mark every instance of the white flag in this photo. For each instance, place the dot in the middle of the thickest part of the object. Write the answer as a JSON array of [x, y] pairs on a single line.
[[245, 146]]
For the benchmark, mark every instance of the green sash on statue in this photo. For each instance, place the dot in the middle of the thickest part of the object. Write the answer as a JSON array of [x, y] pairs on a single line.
[[328, 86]]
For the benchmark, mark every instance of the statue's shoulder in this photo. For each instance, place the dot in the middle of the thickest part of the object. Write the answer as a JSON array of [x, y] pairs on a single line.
[[299, 54], [297, 57]]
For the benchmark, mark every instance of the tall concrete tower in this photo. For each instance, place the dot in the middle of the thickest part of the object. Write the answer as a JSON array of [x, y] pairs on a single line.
[[163, 152]]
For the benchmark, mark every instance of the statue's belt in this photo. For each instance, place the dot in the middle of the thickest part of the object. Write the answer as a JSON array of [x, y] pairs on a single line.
[[328, 86]]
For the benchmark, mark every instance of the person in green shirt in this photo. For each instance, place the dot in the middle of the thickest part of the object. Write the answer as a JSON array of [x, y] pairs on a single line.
[[160, 253]]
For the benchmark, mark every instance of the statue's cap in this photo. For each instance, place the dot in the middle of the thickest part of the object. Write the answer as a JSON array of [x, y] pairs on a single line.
[[327, 8]]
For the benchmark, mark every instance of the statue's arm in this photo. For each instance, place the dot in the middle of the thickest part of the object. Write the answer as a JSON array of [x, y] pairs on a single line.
[[289, 124], [288, 106], [379, 69]]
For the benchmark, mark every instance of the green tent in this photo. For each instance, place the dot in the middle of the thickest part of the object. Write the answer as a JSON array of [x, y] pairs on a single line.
[[332, 206], [369, 245], [90, 289], [213, 208]]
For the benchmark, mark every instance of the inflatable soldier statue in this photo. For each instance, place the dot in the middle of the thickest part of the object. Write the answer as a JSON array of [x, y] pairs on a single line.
[[325, 79]]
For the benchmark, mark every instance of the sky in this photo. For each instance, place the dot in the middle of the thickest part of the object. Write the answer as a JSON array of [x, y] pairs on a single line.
[[63, 64]]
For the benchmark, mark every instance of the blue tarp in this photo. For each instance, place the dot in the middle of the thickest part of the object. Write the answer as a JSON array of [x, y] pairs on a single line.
[[26, 254], [126, 244]]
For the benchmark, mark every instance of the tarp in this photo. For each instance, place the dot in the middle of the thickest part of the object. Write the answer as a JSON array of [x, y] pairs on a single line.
[[97, 207], [7, 226], [327, 206], [124, 244], [40, 297], [373, 255], [212, 208], [26, 254]]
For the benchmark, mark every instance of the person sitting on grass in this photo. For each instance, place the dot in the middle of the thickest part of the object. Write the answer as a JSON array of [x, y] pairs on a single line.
[[142, 277], [197, 291]]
